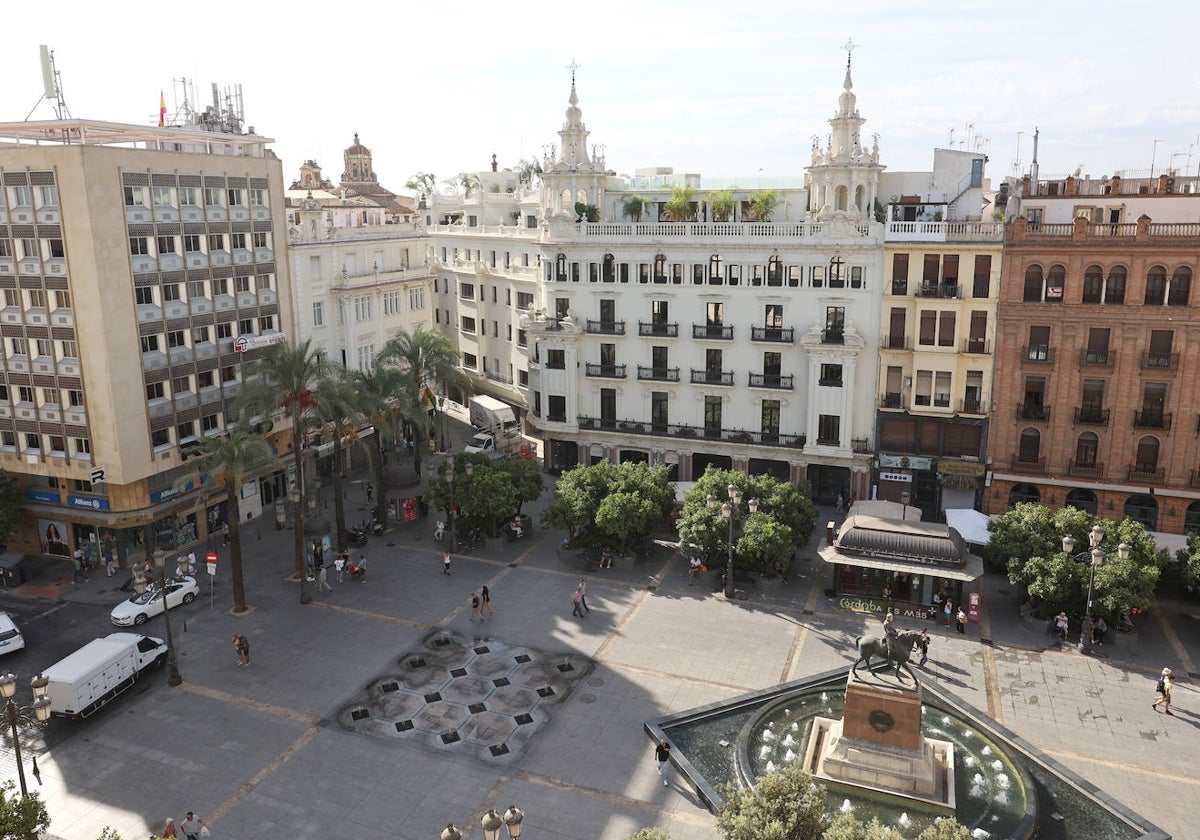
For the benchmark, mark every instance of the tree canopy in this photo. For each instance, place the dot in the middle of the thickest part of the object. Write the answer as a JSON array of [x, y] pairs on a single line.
[[601, 496], [11, 502], [679, 206], [491, 491], [784, 805], [21, 817]]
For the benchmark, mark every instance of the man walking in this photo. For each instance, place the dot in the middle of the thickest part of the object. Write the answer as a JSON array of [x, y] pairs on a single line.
[[242, 645], [923, 644], [577, 603], [475, 611], [78, 566], [191, 826], [323, 578], [583, 594], [1164, 692], [485, 597], [662, 751]]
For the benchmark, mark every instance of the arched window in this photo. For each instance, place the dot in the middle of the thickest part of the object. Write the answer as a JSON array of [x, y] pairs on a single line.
[[1156, 286], [1033, 284], [774, 271], [565, 202], [841, 197], [1030, 446], [1181, 287], [1056, 282], [860, 198], [660, 269], [1143, 508], [1191, 519], [1147, 453], [1085, 450], [560, 268], [1023, 493], [1084, 500], [608, 271], [1114, 285], [714, 269], [1093, 284]]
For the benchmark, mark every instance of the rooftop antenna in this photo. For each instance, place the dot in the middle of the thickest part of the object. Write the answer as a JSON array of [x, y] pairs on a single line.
[[1016, 164], [51, 86]]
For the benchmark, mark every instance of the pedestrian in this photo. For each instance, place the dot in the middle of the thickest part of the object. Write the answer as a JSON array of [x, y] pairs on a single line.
[[225, 531], [475, 611], [693, 568], [606, 558], [1061, 621], [923, 644], [960, 621], [109, 562], [370, 493], [486, 597], [78, 557], [583, 594], [439, 530], [242, 645], [841, 502], [323, 579], [1164, 692], [191, 563], [169, 831], [446, 562], [339, 565], [662, 751], [577, 603], [947, 608], [360, 568], [192, 826]]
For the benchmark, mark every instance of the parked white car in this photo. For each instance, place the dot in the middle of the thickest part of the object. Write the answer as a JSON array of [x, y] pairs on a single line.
[[10, 635], [138, 609]]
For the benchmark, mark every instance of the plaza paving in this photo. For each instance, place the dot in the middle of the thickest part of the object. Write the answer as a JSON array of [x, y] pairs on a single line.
[[270, 750]]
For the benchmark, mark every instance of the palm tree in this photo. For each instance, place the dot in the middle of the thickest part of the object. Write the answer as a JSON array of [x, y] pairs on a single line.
[[385, 403], [634, 206], [470, 183], [337, 409], [762, 205], [284, 378], [527, 170], [231, 459], [721, 203], [429, 365], [679, 206], [423, 182]]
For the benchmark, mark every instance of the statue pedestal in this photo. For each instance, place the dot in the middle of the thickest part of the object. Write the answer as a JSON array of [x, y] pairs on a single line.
[[879, 745]]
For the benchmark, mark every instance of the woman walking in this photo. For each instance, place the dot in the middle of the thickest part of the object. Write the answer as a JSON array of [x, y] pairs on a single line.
[[486, 596], [1164, 692]]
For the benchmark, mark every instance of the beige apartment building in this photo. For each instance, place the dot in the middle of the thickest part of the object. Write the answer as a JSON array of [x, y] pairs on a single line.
[[139, 274]]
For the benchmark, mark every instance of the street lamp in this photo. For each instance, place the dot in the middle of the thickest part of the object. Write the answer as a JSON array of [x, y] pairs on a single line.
[[904, 497], [450, 477], [141, 580], [1095, 556], [16, 716], [730, 512], [451, 833]]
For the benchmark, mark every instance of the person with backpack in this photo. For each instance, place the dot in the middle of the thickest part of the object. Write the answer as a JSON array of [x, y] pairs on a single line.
[[1164, 692]]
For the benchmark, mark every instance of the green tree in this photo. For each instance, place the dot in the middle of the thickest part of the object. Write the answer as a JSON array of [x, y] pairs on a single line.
[[486, 492], [634, 206], [430, 366], [577, 497], [1189, 561], [423, 182], [784, 805], [623, 516], [765, 542], [763, 204], [650, 834], [849, 827], [284, 379], [470, 183], [679, 206], [945, 828], [21, 817], [337, 412], [580, 494], [526, 478], [721, 204], [12, 500], [527, 170], [590, 212], [232, 459], [385, 402]]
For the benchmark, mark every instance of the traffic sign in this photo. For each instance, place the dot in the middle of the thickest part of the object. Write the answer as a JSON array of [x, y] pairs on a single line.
[[211, 562]]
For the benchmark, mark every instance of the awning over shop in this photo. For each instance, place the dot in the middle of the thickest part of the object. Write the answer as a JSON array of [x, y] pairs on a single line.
[[972, 569], [971, 524]]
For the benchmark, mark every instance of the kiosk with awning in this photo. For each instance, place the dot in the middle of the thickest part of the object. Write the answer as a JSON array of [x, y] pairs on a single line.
[[880, 560]]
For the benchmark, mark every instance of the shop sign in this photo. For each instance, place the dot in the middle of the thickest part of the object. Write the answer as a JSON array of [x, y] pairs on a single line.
[[42, 496], [894, 476], [969, 468], [880, 606], [87, 502], [906, 462], [169, 492]]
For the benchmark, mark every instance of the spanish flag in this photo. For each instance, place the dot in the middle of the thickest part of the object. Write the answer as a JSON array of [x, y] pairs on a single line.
[[162, 109]]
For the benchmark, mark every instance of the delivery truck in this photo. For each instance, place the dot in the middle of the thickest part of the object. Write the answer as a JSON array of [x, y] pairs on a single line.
[[490, 415], [89, 678]]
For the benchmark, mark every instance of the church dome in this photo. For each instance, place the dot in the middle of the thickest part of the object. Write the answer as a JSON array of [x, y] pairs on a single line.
[[357, 148]]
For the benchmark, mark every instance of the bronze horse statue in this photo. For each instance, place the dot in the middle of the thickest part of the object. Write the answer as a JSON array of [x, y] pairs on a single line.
[[896, 658]]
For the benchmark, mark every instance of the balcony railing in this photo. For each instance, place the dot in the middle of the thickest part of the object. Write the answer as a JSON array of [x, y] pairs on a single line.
[[1090, 416], [772, 380], [949, 291], [833, 336], [977, 345], [1030, 411], [605, 371], [900, 288], [1037, 466], [860, 446], [1097, 358], [1145, 475], [891, 400], [971, 406], [1037, 354], [1152, 420], [606, 327], [783, 335], [714, 331], [1088, 470], [658, 330], [1160, 361], [654, 374], [496, 376], [896, 342], [680, 430], [712, 377], [827, 382]]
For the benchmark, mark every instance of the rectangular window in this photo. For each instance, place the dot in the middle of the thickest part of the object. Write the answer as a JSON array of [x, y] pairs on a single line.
[[19, 347], [49, 195], [928, 334], [75, 398], [246, 326], [241, 284], [659, 411], [769, 423], [175, 339], [239, 241], [941, 389], [362, 308], [897, 324], [191, 243], [466, 291], [82, 446], [135, 197], [149, 343], [1039, 344], [139, 246], [835, 324], [266, 324], [159, 438], [62, 299], [56, 248], [229, 374], [44, 348], [37, 299], [366, 357], [170, 291], [225, 330], [216, 242], [416, 298], [209, 423], [946, 329], [900, 274], [773, 316], [165, 245], [30, 249], [524, 300], [318, 313], [829, 429], [154, 391], [196, 289], [259, 240], [33, 442], [213, 197], [522, 338], [556, 359], [931, 270], [712, 417], [467, 324], [258, 198], [983, 276], [205, 379], [25, 393], [185, 432], [391, 303], [831, 375], [188, 197]]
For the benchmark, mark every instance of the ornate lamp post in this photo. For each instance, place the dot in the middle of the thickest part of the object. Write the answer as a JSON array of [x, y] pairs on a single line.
[[450, 832], [1095, 556], [730, 511], [17, 716], [512, 821], [450, 479], [141, 580]]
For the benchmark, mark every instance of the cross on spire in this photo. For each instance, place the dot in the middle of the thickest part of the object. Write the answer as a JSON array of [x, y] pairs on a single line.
[[849, 48], [572, 67]]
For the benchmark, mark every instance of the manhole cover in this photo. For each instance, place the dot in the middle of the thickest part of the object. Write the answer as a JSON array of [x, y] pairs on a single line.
[[360, 714], [596, 681], [587, 699], [498, 750], [523, 719], [403, 725], [390, 687], [500, 683], [458, 672], [450, 738], [546, 692], [432, 698], [523, 658], [482, 650], [476, 708]]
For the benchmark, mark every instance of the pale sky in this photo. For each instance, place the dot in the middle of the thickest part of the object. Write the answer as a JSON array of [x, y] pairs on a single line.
[[725, 89]]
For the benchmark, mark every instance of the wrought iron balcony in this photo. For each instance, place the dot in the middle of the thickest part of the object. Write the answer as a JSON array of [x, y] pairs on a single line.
[[895, 342], [654, 374], [891, 400], [1097, 358], [860, 446], [1037, 354], [1087, 415], [658, 330], [1152, 420], [979, 346], [1033, 411], [971, 406], [605, 371], [1085, 470], [722, 332], [772, 380], [712, 377], [1145, 474], [1160, 361], [833, 336], [782, 335], [948, 291], [1036, 466], [900, 288], [606, 327]]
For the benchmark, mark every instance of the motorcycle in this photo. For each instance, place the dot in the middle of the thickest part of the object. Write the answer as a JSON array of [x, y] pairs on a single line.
[[358, 534]]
